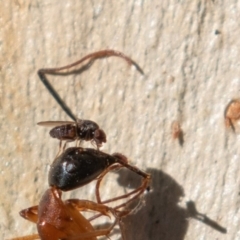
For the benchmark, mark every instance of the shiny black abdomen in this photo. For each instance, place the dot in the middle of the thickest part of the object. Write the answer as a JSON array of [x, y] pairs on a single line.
[[78, 166]]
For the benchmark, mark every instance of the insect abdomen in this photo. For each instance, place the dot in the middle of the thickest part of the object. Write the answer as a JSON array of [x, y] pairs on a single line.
[[64, 132]]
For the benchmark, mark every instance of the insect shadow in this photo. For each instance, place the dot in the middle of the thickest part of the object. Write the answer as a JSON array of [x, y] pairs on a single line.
[[161, 217]]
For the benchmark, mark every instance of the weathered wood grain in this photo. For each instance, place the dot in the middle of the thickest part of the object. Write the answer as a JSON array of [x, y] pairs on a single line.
[[191, 73]]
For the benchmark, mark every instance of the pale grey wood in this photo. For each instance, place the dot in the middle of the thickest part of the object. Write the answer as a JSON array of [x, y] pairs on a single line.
[[191, 73]]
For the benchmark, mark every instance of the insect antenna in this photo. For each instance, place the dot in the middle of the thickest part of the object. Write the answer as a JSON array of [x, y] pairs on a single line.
[[91, 57]]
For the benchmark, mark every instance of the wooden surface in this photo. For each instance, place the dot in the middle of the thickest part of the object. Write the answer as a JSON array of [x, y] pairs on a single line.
[[189, 51]]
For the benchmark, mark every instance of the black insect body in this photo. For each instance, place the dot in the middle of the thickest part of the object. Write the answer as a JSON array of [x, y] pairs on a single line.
[[78, 166]]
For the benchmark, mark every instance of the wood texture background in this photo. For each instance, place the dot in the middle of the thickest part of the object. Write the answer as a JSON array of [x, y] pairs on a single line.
[[191, 73]]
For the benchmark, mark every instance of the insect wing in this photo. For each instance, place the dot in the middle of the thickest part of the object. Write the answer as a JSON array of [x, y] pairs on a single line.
[[54, 123]]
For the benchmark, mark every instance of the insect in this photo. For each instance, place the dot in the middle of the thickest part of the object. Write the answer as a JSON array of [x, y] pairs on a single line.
[[177, 132], [232, 113], [91, 57], [57, 219], [80, 130], [77, 166]]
